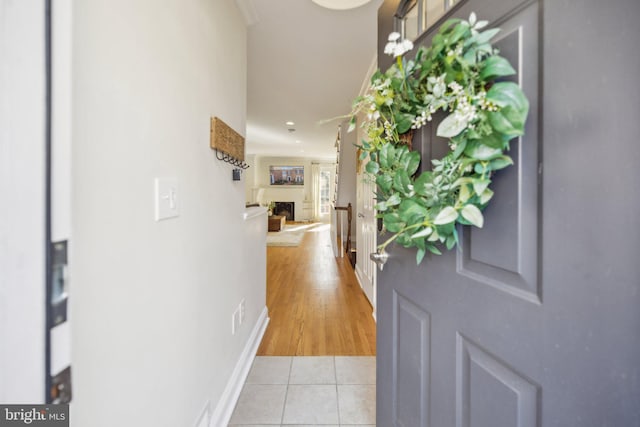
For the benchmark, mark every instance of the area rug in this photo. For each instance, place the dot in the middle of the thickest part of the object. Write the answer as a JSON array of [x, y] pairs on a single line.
[[291, 235]]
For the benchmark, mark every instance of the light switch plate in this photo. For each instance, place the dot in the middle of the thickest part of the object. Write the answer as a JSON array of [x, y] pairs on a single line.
[[167, 201]]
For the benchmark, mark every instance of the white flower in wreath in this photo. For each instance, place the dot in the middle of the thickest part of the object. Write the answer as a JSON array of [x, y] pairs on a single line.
[[397, 47], [381, 85], [373, 113], [421, 120], [389, 129]]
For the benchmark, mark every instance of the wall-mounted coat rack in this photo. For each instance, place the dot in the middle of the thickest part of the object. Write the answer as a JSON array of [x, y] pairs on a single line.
[[221, 155], [229, 146]]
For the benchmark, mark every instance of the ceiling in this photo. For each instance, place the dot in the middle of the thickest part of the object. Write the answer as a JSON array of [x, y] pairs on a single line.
[[306, 64]]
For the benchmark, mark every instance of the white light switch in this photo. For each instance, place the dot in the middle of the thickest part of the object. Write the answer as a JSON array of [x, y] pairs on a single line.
[[166, 198]]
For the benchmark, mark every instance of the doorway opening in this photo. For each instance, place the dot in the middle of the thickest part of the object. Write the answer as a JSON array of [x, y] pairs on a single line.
[[315, 302], [316, 364]]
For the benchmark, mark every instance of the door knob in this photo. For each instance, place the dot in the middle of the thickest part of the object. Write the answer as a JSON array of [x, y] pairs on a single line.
[[360, 215], [380, 258]]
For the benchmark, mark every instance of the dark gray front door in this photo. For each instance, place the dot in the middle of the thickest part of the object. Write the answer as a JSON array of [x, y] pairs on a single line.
[[535, 320]]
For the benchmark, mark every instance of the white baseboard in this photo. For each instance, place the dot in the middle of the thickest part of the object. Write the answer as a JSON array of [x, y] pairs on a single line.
[[359, 276], [358, 273], [224, 409]]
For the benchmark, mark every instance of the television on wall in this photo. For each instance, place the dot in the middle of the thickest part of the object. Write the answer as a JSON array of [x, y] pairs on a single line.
[[286, 175]]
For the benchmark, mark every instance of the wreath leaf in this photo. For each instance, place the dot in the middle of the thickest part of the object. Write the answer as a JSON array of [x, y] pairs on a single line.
[[422, 233], [394, 200], [401, 182], [446, 216], [482, 152], [384, 182], [507, 121], [420, 255], [434, 250], [413, 162], [500, 163], [411, 212], [472, 214], [372, 167], [479, 185], [496, 66], [486, 196], [451, 126], [392, 222]]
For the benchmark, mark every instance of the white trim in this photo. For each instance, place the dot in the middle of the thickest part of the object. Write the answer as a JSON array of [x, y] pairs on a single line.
[[358, 273], [203, 419], [366, 83], [224, 409], [254, 212]]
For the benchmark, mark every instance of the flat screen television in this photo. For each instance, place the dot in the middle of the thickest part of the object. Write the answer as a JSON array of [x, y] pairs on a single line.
[[286, 175]]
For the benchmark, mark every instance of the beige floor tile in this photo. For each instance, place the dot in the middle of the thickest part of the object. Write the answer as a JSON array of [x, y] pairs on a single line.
[[313, 370], [270, 370], [260, 404], [356, 369], [311, 404], [357, 404]]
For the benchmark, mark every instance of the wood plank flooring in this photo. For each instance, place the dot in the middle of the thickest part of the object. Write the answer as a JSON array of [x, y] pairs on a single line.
[[315, 303]]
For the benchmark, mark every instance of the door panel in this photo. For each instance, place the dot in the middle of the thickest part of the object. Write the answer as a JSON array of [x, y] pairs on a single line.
[[533, 320], [490, 392], [412, 329], [504, 253]]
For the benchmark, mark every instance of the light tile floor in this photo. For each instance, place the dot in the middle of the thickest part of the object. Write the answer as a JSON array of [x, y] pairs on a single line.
[[328, 391]]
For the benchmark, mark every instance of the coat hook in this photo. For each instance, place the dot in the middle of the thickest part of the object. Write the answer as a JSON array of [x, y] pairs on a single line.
[[228, 158]]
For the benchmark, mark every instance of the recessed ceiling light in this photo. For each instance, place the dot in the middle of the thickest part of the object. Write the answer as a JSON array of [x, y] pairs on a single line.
[[340, 4], [289, 123], [298, 141]]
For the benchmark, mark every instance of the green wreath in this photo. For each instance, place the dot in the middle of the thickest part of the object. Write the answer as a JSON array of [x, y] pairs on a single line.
[[457, 74]]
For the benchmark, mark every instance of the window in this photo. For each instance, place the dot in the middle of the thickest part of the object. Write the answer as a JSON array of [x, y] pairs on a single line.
[[325, 191], [411, 23], [433, 10], [414, 17]]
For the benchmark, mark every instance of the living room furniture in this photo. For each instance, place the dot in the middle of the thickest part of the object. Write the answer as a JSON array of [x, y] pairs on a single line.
[[276, 222]]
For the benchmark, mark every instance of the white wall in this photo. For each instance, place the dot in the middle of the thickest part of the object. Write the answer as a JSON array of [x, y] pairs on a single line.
[[249, 177], [153, 301], [22, 209], [297, 194]]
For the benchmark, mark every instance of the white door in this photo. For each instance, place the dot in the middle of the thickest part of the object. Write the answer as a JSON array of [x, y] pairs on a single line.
[[366, 236]]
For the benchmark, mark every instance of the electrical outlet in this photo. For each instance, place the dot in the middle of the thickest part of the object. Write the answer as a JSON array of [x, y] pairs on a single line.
[[235, 321], [242, 311]]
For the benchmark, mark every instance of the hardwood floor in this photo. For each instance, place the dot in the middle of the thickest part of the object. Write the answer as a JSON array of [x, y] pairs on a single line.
[[315, 303]]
